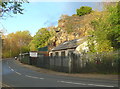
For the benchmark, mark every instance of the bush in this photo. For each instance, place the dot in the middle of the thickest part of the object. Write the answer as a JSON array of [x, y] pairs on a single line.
[[84, 10]]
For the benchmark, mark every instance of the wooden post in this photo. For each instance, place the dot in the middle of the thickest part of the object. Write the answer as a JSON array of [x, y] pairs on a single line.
[[70, 63]]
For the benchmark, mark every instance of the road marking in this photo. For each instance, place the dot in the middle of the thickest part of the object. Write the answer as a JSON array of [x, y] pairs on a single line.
[[41, 78], [30, 76], [27, 76], [4, 85], [18, 73], [100, 85], [84, 84], [9, 67], [33, 77], [72, 83], [12, 69], [80, 83]]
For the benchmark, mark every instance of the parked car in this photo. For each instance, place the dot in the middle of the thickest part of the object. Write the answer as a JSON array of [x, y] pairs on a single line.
[[15, 58]]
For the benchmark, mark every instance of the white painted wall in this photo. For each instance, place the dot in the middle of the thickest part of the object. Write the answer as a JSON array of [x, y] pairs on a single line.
[[82, 47]]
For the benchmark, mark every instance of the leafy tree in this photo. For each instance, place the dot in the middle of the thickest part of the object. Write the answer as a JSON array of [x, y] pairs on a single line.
[[114, 22], [84, 10], [32, 46], [11, 6], [106, 33], [40, 39], [98, 41], [15, 43]]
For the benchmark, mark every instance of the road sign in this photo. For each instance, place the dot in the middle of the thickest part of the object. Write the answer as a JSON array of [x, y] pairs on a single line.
[[33, 54]]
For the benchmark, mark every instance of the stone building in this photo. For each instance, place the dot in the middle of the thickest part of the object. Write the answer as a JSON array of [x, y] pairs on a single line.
[[76, 45]]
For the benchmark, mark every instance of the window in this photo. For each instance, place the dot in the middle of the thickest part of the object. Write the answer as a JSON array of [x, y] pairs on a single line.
[[63, 53], [51, 54], [56, 54]]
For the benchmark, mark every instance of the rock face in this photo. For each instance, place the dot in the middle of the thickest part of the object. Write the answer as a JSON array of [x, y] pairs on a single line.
[[74, 27]]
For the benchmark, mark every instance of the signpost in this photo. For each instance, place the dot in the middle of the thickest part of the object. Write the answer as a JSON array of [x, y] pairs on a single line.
[[33, 54]]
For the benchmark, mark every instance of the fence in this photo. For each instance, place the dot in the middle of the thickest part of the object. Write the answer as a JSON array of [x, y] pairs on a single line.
[[78, 63], [96, 63]]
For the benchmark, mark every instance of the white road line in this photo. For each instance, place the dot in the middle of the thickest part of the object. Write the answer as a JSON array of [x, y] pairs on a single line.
[[65, 82], [33, 77], [79, 83], [12, 69], [41, 78], [3, 85], [100, 85], [27, 76], [18, 73], [84, 84], [9, 67], [72, 83]]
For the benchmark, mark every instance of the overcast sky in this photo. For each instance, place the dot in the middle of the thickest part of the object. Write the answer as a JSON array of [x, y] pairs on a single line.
[[42, 14]]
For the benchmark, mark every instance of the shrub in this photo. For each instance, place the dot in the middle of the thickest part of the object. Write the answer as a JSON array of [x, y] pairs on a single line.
[[84, 10]]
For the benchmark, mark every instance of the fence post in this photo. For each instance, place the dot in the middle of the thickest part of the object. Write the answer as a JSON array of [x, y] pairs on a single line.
[[70, 69], [70, 61]]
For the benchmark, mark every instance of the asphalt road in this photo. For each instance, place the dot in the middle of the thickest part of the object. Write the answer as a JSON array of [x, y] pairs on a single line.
[[16, 75]]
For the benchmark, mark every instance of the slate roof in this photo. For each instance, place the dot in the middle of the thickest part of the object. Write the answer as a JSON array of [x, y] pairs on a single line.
[[72, 44]]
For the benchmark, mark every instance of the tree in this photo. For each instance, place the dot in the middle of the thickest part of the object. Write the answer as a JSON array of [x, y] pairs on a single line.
[[40, 39], [114, 22], [15, 43], [84, 10], [14, 6], [99, 40], [106, 33], [9, 7]]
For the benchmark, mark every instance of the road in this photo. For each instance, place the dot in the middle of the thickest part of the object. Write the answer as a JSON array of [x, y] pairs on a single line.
[[16, 75]]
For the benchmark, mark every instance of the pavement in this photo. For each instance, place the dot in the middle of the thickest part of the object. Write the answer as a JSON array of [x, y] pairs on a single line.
[[16, 74]]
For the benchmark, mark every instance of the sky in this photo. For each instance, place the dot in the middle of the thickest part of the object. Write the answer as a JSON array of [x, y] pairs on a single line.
[[42, 14]]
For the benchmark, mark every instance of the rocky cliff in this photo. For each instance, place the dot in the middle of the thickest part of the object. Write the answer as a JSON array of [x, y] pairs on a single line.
[[73, 27]]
